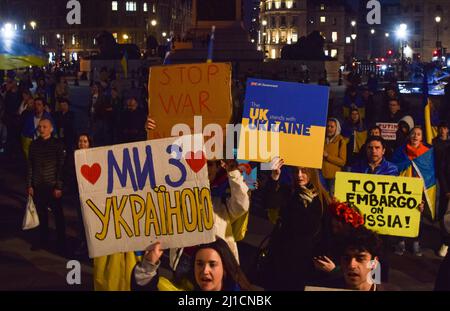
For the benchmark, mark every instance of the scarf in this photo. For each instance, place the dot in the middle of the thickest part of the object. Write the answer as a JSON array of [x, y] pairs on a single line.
[[307, 194], [414, 153]]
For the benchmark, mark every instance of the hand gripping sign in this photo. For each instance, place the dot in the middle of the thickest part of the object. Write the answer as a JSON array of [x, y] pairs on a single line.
[[389, 204], [136, 194]]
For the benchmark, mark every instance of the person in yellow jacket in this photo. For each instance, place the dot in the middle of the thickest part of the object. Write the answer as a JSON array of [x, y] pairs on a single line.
[[214, 268], [334, 154]]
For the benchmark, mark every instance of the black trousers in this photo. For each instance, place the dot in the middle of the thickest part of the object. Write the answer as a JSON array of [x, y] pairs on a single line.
[[44, 199]]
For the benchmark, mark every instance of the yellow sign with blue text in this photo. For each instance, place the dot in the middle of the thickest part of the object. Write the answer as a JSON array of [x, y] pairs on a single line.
[[389, 204], [284, 119]]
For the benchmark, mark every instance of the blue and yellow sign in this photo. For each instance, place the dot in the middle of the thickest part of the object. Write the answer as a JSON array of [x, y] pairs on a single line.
[[284, 119]]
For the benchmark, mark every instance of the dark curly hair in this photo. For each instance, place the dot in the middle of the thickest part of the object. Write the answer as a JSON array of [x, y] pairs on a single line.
[[360, 239]]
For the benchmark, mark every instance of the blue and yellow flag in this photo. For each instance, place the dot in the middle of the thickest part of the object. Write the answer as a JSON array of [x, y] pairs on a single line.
[[124, 63], [423, 167], [113, 272], [211, 45], [15, 55], [430, 130]]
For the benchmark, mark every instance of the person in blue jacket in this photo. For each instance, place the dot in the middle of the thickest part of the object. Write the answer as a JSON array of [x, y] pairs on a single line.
[[375, 163], [31, 122]]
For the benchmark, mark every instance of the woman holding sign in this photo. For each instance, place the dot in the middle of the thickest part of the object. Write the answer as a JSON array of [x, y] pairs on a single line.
[[298, 234], [414, 159], [214, 268]]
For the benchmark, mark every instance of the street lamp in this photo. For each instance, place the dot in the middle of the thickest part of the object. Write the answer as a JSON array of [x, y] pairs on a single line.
[[7, 31], [125, 36], [164, 34], [353, 36], [401, 35], [153, 22], [353, 23], [33, 24], [437, 19], [264, 23]]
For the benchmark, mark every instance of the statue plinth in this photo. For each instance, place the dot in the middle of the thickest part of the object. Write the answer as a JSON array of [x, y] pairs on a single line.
[[232, 42]]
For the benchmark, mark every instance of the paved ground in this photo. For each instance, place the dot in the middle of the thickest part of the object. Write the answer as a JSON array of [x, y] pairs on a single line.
[[23, 269]]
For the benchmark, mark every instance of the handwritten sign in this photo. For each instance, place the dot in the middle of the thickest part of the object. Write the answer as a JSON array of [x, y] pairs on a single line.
[[177, 93], [136, 194], [389, 204], [388, 130]]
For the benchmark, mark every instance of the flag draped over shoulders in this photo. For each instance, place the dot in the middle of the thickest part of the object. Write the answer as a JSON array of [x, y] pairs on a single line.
[[423, 167], [113, 272]]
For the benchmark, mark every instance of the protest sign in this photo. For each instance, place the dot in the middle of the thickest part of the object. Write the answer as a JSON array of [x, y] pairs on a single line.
[[177, 93], [388, 130], [389, 204], [135, 194], [289, 117]]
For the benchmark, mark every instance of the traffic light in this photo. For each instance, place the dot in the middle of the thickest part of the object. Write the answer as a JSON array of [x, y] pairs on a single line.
[[390, 53], [435, 53]]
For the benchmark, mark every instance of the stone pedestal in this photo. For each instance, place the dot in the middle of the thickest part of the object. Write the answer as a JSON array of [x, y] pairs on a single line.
[[231, 44]]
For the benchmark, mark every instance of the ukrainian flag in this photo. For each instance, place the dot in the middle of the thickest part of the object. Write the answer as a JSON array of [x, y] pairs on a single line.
[[423, 167], [211, 45], [15, 55], [430, 130], [113, 272], [124, 63]]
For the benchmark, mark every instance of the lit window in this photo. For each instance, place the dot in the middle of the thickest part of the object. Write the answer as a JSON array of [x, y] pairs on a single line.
[[334, 36], [322, 7], [274, 54], [334, 53], [348, 40], [294, 37], [154, 8], [115, 36], [24, 27], [326, 52], [289, 4], [74, 40], [114, 5], [145, 7], [131, 6], [277, 4], [323, 19], [95, 41]]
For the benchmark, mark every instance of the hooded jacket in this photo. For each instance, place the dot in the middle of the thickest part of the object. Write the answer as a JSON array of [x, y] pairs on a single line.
[[336, 147]]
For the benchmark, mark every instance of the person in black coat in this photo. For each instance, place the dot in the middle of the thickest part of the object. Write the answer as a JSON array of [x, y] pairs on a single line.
[[64, 121], [298, 234], [133, 123]]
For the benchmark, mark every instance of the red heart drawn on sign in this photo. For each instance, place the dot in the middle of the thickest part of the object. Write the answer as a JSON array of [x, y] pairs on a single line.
[[91, 173], [196, 161]]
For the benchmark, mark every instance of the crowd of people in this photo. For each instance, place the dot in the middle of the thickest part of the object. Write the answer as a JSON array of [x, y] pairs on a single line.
[[313, 242]]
